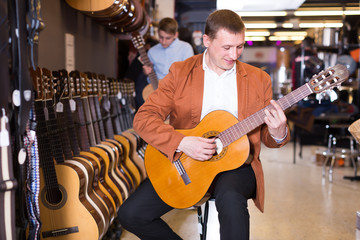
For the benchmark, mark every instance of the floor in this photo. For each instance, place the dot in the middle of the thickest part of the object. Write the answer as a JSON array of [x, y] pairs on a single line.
[[300, 204]]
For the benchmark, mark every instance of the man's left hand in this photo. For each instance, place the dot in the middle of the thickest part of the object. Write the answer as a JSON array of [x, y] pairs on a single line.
[[276, 120]]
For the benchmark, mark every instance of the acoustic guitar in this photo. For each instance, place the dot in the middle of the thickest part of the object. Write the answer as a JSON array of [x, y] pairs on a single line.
[[139, 44], [184, 182], [64, 212], [71, 149], [100, 157]]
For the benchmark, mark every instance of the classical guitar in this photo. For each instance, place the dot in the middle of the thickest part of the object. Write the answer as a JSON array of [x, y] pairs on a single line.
[[87, 142], [99, 157], [96, 176], [118, 168], [118, 125], [135, 165], [139, 44], [63, 211], [184, 182], [81, 164]]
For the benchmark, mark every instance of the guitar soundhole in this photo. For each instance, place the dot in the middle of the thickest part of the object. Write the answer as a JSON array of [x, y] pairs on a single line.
[[216, 156], [54, 198]]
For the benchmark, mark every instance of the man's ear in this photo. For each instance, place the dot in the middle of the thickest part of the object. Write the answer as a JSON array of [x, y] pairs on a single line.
[[206, 40], [176, 35]]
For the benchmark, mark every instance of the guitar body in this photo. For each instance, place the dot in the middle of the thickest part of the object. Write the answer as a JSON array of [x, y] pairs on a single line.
[[109, 178], [121, 168], [166, 179], [97, 186], [133, 145], [128, 158], [97, 203], [113, 167], [148, 89], [70, 213], [105, 183]]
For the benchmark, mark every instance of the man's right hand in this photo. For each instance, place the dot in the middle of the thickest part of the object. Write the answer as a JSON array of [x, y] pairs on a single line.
[[198, 148], [147, 69]]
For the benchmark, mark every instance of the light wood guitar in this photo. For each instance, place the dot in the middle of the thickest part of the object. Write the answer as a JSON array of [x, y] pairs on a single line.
[[100, 156], [139, 44], [65, 211], [184, 182]]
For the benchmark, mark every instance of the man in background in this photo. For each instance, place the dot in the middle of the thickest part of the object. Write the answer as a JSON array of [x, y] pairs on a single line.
[[170, 49]]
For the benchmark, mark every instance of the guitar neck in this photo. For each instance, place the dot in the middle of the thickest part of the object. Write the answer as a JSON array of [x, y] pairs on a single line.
[[89, 122], [71, 132], [105, 107], [80, 124], [248, 124], [44, 146], [145, 59], [95, 120], [53, 133], [99, 119]]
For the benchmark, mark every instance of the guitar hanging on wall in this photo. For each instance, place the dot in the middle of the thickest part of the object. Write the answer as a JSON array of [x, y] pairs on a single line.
[[184, 182]]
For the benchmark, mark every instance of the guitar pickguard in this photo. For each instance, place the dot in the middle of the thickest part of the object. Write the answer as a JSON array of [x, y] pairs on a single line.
[[220, 150]]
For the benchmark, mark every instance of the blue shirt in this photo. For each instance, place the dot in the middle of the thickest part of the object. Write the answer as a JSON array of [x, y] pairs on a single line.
[[162, 58]]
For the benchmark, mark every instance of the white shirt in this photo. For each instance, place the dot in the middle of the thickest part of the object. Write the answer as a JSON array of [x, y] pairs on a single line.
[[220, 92]]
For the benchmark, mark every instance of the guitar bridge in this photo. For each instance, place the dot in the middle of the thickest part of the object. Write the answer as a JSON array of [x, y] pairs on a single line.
[[60, 232], [182, 172]]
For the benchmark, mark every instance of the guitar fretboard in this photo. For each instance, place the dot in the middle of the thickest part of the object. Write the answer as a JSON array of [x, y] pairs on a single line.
[[152, 75], [248, 124]]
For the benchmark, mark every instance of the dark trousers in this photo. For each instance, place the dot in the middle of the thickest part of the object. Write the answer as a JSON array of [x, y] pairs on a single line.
[[141, 212]]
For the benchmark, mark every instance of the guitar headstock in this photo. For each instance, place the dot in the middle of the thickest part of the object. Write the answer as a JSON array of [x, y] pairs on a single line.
[[36, 78], [113, 86], [93, 88], [104, 84], [74, 80], [328, 79], [47, 84], [65, 86], [137, 40], [56, 84], [87, 85]]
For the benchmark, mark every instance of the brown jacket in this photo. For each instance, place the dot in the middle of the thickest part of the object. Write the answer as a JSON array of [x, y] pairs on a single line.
[[180, 95]]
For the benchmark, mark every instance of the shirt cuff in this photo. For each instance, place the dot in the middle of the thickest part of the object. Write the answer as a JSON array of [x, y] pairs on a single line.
[[280, 140]]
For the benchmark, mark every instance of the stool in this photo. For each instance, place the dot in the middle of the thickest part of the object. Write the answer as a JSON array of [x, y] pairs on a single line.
[[203, 219], [333, 153]]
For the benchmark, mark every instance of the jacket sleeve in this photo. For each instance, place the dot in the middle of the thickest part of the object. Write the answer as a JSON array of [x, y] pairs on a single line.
[[149, 120]]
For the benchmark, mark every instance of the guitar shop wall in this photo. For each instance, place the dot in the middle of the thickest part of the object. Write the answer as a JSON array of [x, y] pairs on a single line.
[[74, 41]]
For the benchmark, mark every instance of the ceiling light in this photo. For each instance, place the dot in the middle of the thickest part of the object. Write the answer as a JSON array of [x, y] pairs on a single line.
[[318, 13], [261, 25], [287, 25], [257, 33], [293, 33], [259, 5], [254, 38], [262, 14], [286, 38], [326, 13], [320, 25]]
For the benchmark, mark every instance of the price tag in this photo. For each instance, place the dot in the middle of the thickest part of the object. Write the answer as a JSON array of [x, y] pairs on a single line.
[[72, 105], [59, 107]]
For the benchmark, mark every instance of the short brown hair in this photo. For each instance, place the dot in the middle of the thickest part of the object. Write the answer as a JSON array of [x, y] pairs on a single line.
[[168, 25], [223, 18]]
